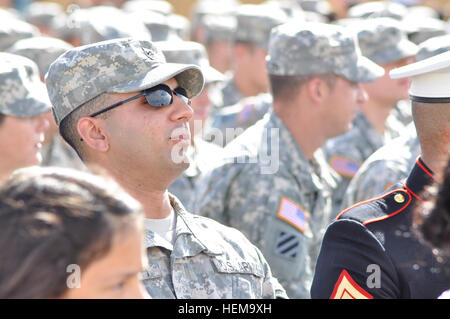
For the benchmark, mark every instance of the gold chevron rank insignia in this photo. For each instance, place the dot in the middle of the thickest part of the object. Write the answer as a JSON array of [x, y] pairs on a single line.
[[347, 288]]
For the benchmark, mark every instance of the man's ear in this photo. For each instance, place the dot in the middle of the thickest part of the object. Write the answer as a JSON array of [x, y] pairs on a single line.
[[318, 90], [93, 133]]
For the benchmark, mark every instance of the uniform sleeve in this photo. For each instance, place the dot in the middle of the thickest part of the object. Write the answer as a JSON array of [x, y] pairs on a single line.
[[352, 264], [272, 289], [254, 208]]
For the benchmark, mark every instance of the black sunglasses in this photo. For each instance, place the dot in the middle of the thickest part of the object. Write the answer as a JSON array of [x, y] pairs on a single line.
[[157, 96]]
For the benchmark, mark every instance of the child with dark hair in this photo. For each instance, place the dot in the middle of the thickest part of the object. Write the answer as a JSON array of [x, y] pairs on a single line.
[[69, 234]]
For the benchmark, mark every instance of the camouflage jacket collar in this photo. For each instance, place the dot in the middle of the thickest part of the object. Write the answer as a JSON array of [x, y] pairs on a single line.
[[292, 156], [190, 240]]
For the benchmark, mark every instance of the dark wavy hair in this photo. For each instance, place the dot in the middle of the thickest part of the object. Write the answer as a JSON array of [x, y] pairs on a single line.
[[51, 218]]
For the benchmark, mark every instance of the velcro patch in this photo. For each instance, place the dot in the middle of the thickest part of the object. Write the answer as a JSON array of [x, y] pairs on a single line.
[[347, 288], [293, 213], [344, 166], [287, 245]]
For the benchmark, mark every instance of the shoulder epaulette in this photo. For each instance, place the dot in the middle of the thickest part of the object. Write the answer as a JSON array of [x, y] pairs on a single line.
[[379, 208]]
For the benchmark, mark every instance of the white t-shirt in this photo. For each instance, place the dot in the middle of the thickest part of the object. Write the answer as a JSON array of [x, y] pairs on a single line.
[[164, 227]]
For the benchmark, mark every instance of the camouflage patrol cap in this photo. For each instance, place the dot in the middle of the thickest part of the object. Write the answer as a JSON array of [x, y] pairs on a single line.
[[42, 50], [218, 28], [255, 21], [113, 66], [433, 46], [43, 12], [157, 24], [22, 92], [383, 40], [180, 25], [103, 23], [377, 9], [12, 30], [188, 52], [160, 6], [318, 48], [424, 28]]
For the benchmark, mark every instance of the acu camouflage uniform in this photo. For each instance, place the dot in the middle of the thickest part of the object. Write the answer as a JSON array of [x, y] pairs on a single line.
[[242, 115], [346, 153], [387, 166], [383, 41], [283, 202], [207, 260], [242, 196]]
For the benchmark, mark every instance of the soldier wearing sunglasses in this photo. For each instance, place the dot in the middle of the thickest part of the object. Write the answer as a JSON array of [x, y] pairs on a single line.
[[122, 107]]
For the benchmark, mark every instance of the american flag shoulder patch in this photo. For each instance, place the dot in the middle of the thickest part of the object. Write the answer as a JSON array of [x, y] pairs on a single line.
[[287, 244], [344, 166], [293, 214]]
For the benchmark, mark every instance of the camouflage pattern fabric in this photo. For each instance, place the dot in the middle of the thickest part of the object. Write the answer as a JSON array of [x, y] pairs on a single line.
[[207, 260], [386, 167], [282, 204]]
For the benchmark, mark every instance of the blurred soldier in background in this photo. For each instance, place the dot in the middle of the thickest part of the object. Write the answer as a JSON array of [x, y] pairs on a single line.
[[249, 77], [383, 41], [392, 162], [43, 51], [371, 250], [213, 25], [283, 202], [23, 107]]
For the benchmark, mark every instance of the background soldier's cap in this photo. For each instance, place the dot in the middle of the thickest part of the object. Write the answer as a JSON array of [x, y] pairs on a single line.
[[420, 29], [255, 21], [160, 6], [114, 66], [383, 40], [188, 52], [218, 28], [157, 24], [429, 79], [22, 92], [376, 9], [42, 50], [318, 48], [43, 13], [12, 30], [433, 46], [103, 23]]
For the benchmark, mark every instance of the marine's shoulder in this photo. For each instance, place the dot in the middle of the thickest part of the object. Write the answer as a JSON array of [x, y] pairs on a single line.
[[391, 203]]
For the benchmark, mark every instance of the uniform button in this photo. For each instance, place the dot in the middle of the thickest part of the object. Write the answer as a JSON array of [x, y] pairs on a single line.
[[399, 198]]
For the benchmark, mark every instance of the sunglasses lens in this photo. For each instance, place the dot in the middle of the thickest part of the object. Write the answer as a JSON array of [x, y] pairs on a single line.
[[159, 97], [182, 94]]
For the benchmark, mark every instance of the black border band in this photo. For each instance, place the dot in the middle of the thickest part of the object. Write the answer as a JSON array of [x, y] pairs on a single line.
[[430, 99]]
